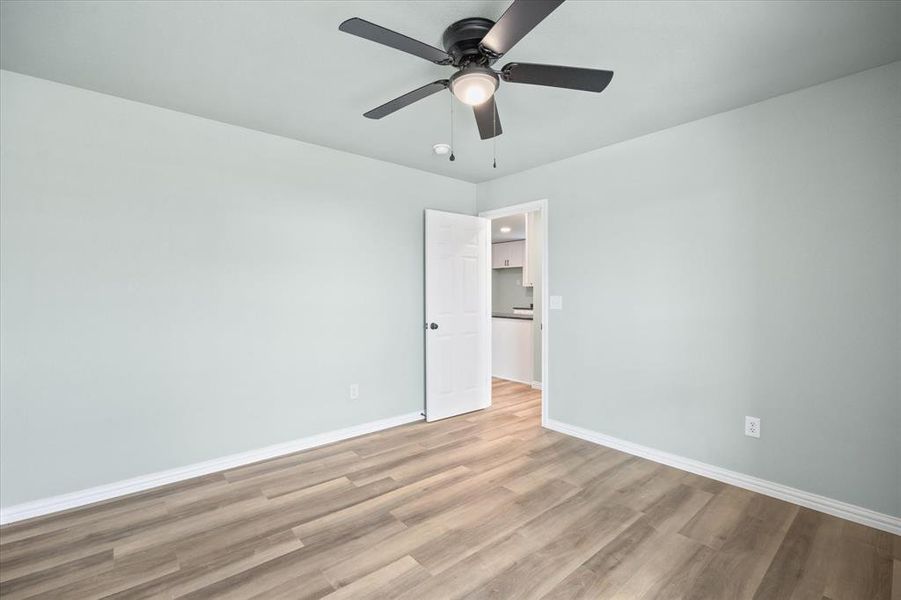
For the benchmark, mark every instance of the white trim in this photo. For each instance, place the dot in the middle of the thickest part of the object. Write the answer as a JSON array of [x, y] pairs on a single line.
[[511, 379], [45, 506], [541, 206], [514, 209], [836, 508], [536, 385]]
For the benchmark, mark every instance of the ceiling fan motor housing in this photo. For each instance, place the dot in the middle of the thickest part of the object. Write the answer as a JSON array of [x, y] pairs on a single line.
[[461, 40]]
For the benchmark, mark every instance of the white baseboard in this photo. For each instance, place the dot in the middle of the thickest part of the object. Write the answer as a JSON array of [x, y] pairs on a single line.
[[536, 385], [44, 506], [837, 508], [511, 379]]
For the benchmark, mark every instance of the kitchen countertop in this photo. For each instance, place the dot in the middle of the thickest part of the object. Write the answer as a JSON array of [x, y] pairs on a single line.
[[506, 315]]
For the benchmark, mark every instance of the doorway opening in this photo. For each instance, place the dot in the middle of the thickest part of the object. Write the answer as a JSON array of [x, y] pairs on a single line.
[[519, 298]]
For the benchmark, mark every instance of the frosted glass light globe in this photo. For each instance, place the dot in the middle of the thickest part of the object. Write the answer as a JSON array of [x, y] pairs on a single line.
[[473, 85]]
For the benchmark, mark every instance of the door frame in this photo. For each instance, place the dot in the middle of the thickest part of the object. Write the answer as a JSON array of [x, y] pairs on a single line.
[[542, 207]]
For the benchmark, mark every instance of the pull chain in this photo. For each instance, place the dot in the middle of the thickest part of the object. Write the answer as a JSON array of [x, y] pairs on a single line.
[[452, 157], [494, 131]]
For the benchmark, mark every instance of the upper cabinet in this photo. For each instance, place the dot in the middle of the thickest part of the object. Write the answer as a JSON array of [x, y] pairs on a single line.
[[506, 255], [498, 256]]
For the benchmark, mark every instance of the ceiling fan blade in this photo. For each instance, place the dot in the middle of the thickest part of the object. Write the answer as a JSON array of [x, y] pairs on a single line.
[[519, 19], [573, 78], [398, 41], [487, 119], [407, 99]]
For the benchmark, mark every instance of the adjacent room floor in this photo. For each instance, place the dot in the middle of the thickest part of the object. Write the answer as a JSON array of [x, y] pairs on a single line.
[[482, 505]]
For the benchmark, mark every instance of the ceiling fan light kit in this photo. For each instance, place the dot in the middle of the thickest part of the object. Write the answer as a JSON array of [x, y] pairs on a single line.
[[473, 85], [472, 46]]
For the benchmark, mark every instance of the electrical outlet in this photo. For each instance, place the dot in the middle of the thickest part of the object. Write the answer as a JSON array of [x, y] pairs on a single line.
[[752, 427], [354, 391]]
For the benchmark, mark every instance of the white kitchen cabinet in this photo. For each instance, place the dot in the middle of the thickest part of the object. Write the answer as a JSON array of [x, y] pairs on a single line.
[[498, 256], [506, 255], [517, 253], [511, 349]]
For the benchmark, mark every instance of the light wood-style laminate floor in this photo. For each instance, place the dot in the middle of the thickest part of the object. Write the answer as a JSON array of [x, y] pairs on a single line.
[[485, 505]]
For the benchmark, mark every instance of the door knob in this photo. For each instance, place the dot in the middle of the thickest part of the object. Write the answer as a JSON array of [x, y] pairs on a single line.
[[433, 326]]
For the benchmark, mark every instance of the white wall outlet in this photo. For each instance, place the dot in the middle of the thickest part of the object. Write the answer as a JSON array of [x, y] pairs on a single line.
[[752, 426], [556, 303], [354, 391]]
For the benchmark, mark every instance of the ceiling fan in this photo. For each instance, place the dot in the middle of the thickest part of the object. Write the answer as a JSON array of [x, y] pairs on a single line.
[[472, 46]]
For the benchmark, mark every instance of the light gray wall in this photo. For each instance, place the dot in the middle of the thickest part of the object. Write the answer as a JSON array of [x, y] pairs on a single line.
[[173, 289], [745, 264], [507, 290]]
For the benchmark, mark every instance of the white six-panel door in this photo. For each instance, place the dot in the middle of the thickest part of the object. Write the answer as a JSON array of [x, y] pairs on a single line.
[[457, 311]]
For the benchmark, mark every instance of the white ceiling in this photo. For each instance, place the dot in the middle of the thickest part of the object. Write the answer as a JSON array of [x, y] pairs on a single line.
[[517, 225], [284, 68]]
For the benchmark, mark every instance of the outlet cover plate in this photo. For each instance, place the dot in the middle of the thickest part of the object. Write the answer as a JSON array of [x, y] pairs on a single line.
[[752, 427]]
